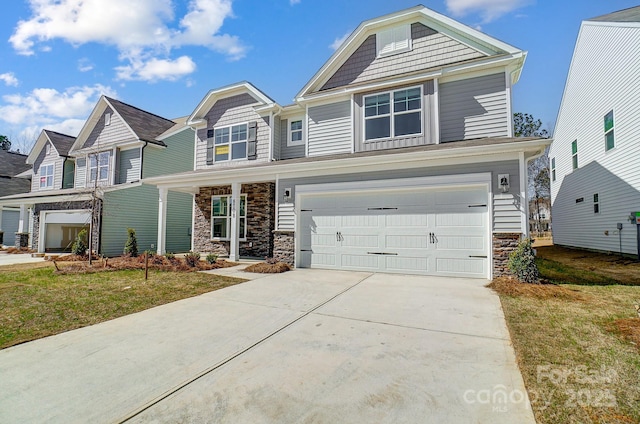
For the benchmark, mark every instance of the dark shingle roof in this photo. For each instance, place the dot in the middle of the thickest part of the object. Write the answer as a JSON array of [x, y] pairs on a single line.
[[146, 125], [62, 142], [631, 14], [12, 164]]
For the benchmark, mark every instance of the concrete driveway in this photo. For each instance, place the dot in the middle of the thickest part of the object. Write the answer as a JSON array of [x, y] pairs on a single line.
[[17, 258], [304, 346]]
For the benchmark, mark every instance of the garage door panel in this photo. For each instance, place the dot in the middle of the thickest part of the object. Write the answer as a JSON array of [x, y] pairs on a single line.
[[360, 261], [323, 240], [360, 221], [406, 241], [406, 220], [457, 266], [460, 220], [360, 241], [460, 243], [407, 264]]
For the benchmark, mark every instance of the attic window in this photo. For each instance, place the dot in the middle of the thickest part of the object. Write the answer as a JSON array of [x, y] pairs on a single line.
[[107, 119], [47, 149], [394, 40]]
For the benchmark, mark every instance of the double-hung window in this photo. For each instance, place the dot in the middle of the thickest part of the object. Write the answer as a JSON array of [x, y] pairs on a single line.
[[574, 154], [221, 210], [99, 166], [46, 176], [230, 142], [393, 114], [609, 141], [295, 132], [553, 169]]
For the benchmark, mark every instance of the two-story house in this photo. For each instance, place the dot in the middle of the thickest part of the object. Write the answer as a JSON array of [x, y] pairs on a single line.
[[98, 174], [397, 156], [595, 177], [13, 180]]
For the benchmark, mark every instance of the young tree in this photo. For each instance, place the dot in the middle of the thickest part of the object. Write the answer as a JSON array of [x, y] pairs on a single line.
[[5, 144], [525, 125]]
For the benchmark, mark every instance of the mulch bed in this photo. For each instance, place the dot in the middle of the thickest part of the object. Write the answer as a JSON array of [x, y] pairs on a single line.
[[74, 264], [15, 250], [630, 330], [267, 268], [510, 286]]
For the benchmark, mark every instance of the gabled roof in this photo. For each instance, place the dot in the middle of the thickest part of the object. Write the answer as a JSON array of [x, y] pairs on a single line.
[[180, 124], [12, 164], [62, 143], [471, 37], [213, 96], [144, 125], [631, 14]]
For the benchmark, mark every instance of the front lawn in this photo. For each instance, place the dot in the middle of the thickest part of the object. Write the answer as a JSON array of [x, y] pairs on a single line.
[[36, 302], [578, 345]]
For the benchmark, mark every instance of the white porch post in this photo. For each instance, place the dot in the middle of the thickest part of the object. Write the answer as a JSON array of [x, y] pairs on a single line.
[[162, 221], [234, 248], [23, 218]]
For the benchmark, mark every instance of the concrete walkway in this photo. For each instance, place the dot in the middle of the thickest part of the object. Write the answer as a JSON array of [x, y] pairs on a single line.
[[303, 346], [17, 258]]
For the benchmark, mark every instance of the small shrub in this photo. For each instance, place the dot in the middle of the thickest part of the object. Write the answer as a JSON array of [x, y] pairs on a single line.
[[522, 262], [170, 255], [131, 247], [79, 246], [212, 258], [192, 259]]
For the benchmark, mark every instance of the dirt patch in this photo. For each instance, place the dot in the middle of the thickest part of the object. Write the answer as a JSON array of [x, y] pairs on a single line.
[[509, 286], [629, 328], [267, 268], [80, 265]]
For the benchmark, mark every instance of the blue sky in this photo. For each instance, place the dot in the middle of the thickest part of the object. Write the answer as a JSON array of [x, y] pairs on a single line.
[[58, 56]]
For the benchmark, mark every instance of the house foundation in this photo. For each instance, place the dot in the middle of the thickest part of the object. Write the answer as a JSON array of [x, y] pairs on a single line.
[[503, 245]]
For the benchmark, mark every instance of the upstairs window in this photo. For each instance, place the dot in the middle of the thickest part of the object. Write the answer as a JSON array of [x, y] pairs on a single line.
[[574, 154], [99, 166], [221, 217], [596, 203], [46, 176], [553, 169], [609, 141], [295, 136], [393, 40], [397, 113], [230, 142]]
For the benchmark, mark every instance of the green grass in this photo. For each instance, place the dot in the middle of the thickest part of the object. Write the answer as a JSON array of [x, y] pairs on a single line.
[[35, 302], [557, 272]]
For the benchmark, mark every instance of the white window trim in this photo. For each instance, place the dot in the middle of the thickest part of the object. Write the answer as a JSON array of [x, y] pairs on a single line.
[[391, 114], [230, 143], [553, 168], [290, 142], [47, 149], [47, 176], [596, 203], [574, 155], [107, 119], [613, 115], [243, 237], [98, 166], [394, 49]]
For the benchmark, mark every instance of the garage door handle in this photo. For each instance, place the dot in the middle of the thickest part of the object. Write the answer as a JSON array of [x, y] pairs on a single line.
[[382, 209], [478, 256], [339, 236], [382, 253], [477, 206]]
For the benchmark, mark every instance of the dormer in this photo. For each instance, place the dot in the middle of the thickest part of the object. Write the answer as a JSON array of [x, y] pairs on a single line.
[[52, 164]]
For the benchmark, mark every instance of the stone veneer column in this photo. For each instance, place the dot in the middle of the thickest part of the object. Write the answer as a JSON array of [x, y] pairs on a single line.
[[22, 240], [284, 246], [503, 245]]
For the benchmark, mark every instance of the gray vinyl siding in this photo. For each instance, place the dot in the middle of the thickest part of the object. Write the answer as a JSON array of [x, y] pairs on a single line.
[[69, 173], [596, 84], [329, 129], [44, 159], [474, 108], [128, 166], [116, 132], [176, 157], [506, 213], [277, 142], [428, 135], [81, 172], [289, 152], [137, 208], [431, 49], [231, 111], [9, 224]]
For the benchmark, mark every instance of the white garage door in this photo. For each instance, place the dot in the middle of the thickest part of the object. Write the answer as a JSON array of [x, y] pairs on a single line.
[[434, 232]]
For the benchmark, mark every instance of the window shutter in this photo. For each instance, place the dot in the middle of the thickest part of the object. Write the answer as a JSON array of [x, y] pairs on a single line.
[[401, 37], [209, 147], [385, 42], [252, 141]]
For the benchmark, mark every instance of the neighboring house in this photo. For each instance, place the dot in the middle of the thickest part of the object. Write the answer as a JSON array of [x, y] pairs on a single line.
[[540, 215], [12, 165], [595, 177], [397, 156], [101, 171]]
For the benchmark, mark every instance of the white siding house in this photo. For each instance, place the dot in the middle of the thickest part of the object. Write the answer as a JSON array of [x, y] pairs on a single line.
[[595, 177]]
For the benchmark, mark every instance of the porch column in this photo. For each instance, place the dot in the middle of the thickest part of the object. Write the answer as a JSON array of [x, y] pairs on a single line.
[[234, 248], [162, 221], [23, 217]]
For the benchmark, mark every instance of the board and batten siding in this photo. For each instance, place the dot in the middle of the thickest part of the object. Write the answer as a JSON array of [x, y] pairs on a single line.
[[128, 166], [428, 135], [329, 129], [598, 83], [48, 159], [431, 49], [474, 108], [507, 208], [276, 124], [289, 152], [105, 136], [137, 208], [232, 111]]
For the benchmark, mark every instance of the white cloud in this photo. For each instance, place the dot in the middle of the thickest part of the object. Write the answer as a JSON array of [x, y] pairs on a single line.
[[9, 79], [338, 41], [85, 65], [294, 2], [144, 30], [156, 69], [489, 10], [48, 108]]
